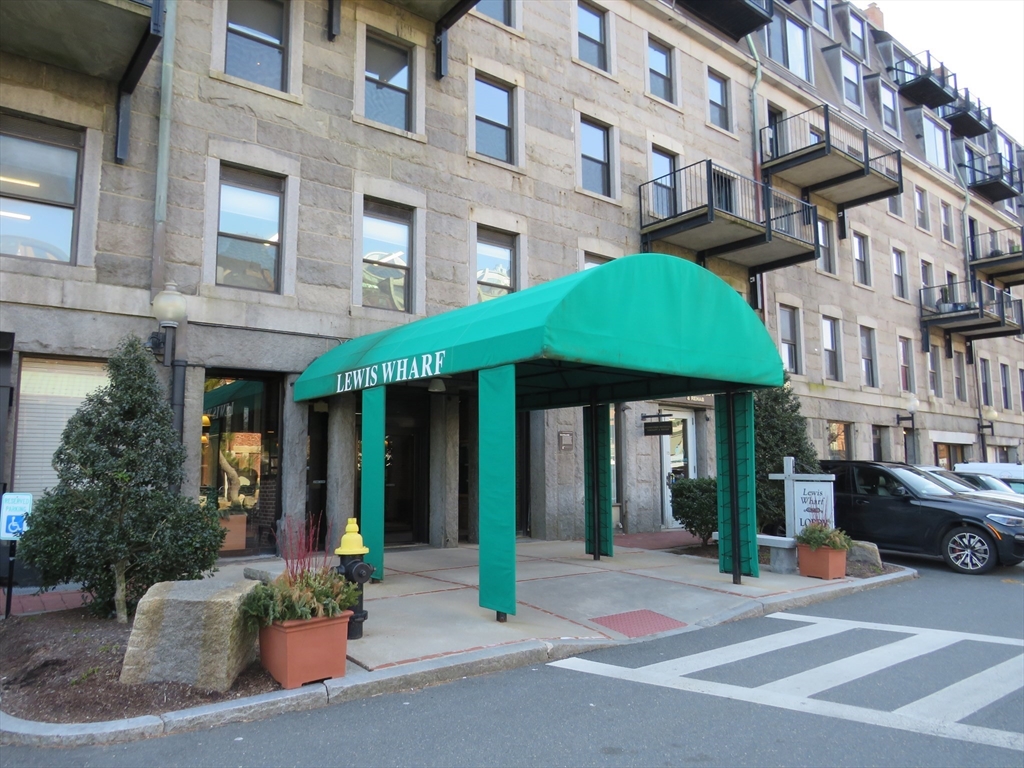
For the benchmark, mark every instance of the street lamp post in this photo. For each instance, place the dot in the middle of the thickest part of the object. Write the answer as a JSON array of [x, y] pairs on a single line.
[[986, 422], [169, 309]]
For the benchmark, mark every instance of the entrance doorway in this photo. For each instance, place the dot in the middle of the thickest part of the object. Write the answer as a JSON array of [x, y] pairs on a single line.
[[316, 473], [677, 457]]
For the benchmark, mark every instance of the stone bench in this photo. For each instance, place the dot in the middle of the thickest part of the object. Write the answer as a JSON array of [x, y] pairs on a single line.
[[782, 550]]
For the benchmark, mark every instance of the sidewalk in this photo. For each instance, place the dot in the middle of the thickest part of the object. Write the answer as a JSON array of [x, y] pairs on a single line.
[[425, 625]]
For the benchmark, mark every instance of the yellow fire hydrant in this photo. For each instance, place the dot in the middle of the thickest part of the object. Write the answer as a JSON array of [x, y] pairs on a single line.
[[350, 551]]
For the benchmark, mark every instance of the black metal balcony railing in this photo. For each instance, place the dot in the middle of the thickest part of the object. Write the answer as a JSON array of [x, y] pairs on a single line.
[[1001, 242], [967, 117], [994, 177], [706, 186], [998, 255], [925, 80], [987, 302]]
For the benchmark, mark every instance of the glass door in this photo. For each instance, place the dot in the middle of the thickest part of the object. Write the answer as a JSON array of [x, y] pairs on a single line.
[[677, 452]]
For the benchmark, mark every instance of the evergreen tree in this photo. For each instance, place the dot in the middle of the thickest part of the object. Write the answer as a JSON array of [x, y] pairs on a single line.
[[780, 430], [115, 522]]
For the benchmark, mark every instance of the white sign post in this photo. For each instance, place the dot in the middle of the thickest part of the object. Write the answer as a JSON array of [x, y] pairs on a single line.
[[808, 497], [14, 511]]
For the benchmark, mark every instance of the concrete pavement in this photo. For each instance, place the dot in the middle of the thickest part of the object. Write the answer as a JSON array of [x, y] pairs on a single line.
[[425, 625]]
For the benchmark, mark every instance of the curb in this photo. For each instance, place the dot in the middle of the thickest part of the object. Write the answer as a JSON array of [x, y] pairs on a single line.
[[359, 683]]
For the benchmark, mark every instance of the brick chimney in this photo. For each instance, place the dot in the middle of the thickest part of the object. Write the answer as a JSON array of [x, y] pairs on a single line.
[[874, 14]]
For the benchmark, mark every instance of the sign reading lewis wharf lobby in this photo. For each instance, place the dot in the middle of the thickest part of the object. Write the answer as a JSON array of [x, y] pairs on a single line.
[[403, 369]]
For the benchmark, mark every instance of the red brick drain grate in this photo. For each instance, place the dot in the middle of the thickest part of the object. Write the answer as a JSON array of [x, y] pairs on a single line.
[[638, 623]]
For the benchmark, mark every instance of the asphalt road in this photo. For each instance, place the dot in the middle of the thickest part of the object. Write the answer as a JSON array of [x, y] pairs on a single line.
[[928, 672]]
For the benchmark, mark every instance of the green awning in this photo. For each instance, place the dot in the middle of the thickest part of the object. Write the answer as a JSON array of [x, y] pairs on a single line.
[[639, 327]]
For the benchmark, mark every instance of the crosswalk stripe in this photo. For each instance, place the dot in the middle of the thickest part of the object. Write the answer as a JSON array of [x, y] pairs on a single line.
[[716, 657], [963, 698], [846, 670], [849, 624]]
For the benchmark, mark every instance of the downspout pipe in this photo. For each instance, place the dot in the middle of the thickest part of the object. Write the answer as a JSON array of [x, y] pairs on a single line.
[[163, 150], [758, 280]]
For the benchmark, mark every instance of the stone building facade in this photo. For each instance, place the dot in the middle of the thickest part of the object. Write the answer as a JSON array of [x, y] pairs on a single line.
[[301, 173]]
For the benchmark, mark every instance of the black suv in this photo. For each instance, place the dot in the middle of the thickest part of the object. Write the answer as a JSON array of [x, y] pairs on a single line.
[[901, 509]]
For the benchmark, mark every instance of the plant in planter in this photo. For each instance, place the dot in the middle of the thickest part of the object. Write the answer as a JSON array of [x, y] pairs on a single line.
[[303, 614], [821, 550]]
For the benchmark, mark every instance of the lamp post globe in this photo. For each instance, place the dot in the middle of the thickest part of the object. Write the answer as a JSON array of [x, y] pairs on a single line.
[[169, 306]]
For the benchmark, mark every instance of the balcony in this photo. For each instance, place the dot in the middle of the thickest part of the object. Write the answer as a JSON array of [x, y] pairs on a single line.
[[983, 314], [924, 80], [998, 256], [967, 117], [821, 151], [95, 37], [736, 18], [715, 212], [994, 178]]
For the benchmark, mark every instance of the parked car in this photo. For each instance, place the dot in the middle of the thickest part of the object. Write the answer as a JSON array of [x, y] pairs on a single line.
[[902, 509], [985, 482], [957, 484], [1011, 474]]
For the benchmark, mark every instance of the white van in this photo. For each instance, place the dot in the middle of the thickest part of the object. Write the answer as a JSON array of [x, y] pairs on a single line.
[[1011, 474]]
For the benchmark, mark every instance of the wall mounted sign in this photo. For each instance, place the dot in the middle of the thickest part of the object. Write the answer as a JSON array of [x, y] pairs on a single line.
[[657, 427]]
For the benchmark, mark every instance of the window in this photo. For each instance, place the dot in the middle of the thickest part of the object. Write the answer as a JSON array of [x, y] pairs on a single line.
[[899, 273], [867, 356], [876, 442], [826, 256], [787, 44], [663, 166], [936, 144], [595, 161], [861, 259], [858, 37], [789, 337], [935, 370], [851, 82], [255, 48], [592, 39], [493, 121], [819, 14], [838, 440], [927, 274], [890, 109], [659, 65], [249, 230], [39, 189], [387, 243], [921, 208], [388, 84], [906, 353], [946, 212], [896, 205], [499, 10], [986, 382], [1020, 377], [1004, 380], [830, 345], [495, 263], [959, 377], [591, 260], [718, 100]]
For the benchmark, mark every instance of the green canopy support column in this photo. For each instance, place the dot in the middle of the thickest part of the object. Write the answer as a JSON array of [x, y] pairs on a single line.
[[371, 494], [737, 510], [597, 421], [497, 452]]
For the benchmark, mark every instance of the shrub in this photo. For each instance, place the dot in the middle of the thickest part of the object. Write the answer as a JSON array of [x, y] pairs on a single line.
[[115, 522], [695, 505]]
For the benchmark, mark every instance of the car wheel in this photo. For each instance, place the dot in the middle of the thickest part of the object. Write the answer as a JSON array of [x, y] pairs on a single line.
[[969, 550]]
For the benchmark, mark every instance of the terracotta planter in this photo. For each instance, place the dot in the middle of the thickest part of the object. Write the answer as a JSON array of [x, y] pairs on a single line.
[[821, 563], [235, 526], [304, 650]]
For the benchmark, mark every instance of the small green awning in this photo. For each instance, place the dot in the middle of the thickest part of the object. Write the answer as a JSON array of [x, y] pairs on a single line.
[[639, 327]]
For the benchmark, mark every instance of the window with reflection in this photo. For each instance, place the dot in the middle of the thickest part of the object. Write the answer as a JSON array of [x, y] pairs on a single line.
[[494, 120], [387, 242], [659, 64], [593, 46], [499, 10], [249, 230], [388, 84], [595, 158], [39, 168], [495, 263], [255, 48]]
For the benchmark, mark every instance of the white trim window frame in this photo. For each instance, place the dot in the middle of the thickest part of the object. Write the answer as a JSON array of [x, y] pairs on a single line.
[[935, 370], [661, 68], [905, 350], [260, 161], [922, 217], [250, 220], [899, 274], [782, 43], [936, 144], [1004, 381], [597, 154], [868, 357], [821, 15], [946, 219], [290, 44], [593, 41], [853, 87], [959, 376], [890, 104], [831, 346], [494, 119], [720, 103], [789, 338], [826, 247], [387, 36], [861, 246], [895, 204], [509, 13], [859, 37], [985, 371], [496, 263]]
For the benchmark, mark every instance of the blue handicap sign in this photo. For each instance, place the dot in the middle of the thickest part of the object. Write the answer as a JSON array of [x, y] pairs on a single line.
[[14, 511]]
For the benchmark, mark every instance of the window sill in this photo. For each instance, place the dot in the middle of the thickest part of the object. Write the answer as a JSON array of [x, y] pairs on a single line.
[[947, 241], [902, 300], [27, 265], [229, 293], [919, 228], [595, 70], [895, 216], [659, 100], [891, 132], [826, 273], [865, 286], [494, 161], [721, 130], [392, 316], [598, 196], [242, 83], [420, 137]]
